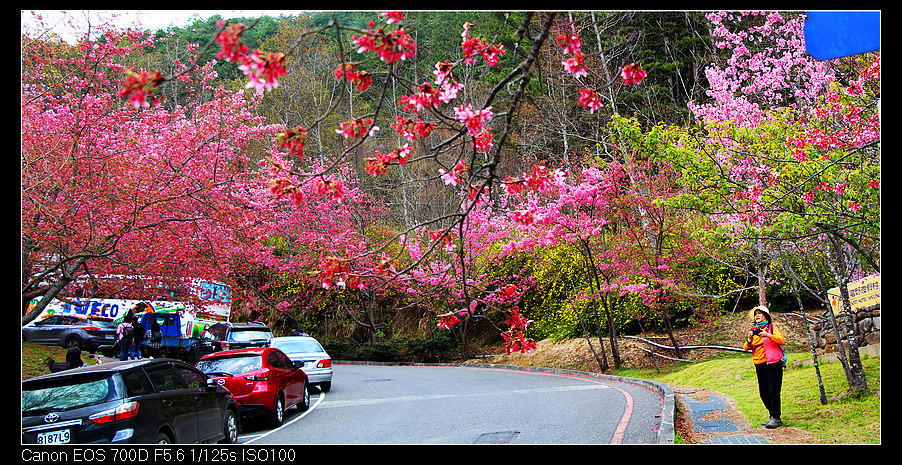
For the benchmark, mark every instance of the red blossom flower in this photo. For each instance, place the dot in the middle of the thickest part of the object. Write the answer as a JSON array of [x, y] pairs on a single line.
[[361, 78], [138, 87], [447, 321], [229, 39], [263, 69], [357, 127], [293, 140], [590, 99], [632, 74], [389, 46]]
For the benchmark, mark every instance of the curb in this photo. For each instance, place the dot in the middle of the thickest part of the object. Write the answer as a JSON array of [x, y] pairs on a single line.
[[665, 430]]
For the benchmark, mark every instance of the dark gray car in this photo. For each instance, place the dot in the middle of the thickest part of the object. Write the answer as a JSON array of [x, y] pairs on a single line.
[[148, 401], [72, 330]]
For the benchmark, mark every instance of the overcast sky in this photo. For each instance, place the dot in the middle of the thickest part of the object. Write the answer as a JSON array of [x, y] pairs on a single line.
[[149, 19]]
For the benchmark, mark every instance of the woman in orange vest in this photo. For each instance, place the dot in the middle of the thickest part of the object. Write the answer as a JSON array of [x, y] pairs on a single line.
[[765, 341]]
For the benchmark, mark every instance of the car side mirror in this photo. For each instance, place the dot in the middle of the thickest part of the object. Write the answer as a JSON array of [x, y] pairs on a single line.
[[211, 384]]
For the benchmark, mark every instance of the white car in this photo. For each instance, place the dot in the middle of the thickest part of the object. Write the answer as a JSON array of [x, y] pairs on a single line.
[[308, 355]]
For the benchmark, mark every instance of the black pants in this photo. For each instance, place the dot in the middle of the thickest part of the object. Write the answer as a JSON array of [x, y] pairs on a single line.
[[770, 380]]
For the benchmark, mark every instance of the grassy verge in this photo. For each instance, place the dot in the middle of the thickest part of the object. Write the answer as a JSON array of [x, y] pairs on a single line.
[[34, 354], [844, 419]]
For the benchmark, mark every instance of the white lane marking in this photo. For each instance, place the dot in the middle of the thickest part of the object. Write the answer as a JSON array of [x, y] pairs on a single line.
[[356, 402], [322, 395]]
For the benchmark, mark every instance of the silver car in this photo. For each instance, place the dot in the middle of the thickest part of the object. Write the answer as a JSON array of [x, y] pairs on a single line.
[[87, 333], [308, 355]]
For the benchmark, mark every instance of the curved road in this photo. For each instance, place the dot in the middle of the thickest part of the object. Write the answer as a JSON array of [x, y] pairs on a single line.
[[375, 404]]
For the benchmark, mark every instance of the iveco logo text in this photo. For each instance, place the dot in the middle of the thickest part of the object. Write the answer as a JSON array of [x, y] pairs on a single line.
[[51, 417]]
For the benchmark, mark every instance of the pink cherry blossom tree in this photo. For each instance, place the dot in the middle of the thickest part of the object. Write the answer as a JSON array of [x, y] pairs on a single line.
[[135, 189]]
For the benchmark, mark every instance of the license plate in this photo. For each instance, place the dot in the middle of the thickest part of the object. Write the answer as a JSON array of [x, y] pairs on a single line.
[[54, 437], [108, 336]]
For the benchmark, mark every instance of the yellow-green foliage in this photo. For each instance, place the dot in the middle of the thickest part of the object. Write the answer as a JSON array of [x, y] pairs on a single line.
[[559, 276]]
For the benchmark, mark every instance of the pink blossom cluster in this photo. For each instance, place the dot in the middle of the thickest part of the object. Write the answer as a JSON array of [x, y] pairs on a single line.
[[445, 235], [348, 71], [410, 129], [378, 164], [479, 46], [139, 87], [632, 74], [768, 65], [448, 321], [262, 69], [357, 127], [590, 99], [293, 140], [572, 45], [392, 17], [390, 47], [475, 121], [455, 175], [515, 337], [334, 271], [539, 180], [431, 95], [332, 187], [229, 40]]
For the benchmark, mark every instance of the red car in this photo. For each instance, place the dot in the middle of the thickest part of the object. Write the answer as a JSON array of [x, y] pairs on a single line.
[[262, 380]]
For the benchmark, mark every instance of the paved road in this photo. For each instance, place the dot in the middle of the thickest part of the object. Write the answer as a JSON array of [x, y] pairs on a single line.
[[460, 405]]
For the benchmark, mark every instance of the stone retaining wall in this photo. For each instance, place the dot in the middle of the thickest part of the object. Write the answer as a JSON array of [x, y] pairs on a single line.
[[867, 330]]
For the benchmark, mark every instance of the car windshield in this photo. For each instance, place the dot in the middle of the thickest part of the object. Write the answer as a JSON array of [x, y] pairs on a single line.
[[65, 393], [247, 335], [230, 365], [298, 346]]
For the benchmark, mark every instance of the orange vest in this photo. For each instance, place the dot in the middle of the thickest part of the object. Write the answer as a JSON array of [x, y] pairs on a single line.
[[760, 354]]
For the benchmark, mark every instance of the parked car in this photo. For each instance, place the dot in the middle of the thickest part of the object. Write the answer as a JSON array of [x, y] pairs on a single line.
[[229, 336], [307, 354], [88, 333], [262, 380], [138, 401]]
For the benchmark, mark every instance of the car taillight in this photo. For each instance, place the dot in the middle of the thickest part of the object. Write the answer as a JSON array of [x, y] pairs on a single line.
[[259, 376], [126, 410], [92, 328], [324, 363], [225, 345]]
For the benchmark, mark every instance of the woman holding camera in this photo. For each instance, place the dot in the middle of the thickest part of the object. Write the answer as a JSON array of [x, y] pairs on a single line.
[[765, 341]]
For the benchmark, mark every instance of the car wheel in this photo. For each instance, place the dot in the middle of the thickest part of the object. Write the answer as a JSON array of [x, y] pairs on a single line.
[[305, 404], [230, 428], [325, 387], [162, 438], [278, 411], [73, 342]]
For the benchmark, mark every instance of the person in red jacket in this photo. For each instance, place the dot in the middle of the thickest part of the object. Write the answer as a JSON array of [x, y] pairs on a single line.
[[765, 341]]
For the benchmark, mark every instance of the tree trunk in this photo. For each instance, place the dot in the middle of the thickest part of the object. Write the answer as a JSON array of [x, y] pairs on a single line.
[[55, 288], [856, 375], [603, 360], [812, 345]]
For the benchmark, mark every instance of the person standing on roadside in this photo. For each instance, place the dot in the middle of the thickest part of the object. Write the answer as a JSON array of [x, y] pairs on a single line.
[[154, 338], [125, 332], [765, 341], [137, 340]]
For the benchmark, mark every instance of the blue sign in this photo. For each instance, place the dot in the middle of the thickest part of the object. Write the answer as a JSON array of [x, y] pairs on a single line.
[[835, 34]]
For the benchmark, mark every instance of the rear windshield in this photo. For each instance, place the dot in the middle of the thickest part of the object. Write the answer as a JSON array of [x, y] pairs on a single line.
[[300, 346], [248, 335], [65, 393], [230, 365], [102, 324]]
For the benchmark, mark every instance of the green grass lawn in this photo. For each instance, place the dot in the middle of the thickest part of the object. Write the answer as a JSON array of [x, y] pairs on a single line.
[[843, 420], [34, 354]]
